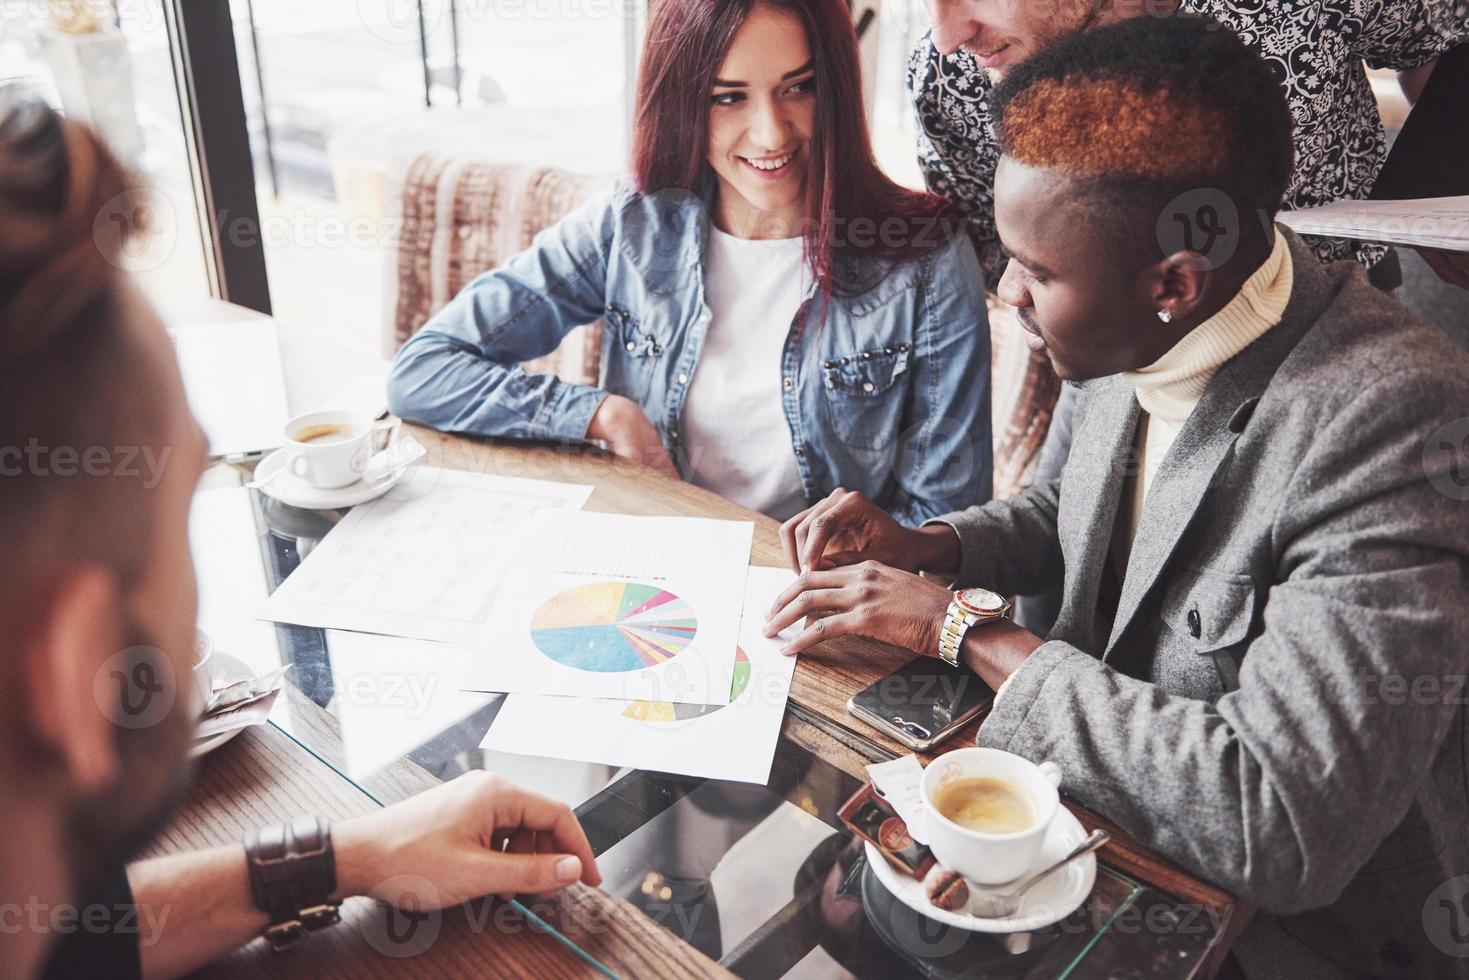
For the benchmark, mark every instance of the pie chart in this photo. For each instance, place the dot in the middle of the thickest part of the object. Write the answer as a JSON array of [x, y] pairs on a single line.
[[613, 627], [654, 712]]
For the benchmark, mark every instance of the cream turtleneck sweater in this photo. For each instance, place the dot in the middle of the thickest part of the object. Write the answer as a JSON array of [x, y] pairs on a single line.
[[1170, 387]]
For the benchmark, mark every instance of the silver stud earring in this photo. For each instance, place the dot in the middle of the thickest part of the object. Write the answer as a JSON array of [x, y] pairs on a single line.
[[1165, 316]]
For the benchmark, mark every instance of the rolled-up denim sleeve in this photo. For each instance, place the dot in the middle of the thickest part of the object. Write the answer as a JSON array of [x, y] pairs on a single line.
[[945, 459], [462, 372]]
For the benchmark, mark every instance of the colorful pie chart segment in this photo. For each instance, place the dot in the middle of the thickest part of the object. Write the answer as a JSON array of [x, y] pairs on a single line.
[[661, 712], [613, 627]]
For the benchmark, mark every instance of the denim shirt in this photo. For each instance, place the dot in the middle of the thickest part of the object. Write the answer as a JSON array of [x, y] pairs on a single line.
[[887, 394]]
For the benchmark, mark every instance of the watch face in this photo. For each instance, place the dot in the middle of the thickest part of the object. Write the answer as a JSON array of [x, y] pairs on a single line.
[[981, 601]]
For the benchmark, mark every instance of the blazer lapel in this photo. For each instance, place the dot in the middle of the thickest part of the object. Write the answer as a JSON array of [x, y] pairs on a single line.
[[1101, 456], [1204, 444]]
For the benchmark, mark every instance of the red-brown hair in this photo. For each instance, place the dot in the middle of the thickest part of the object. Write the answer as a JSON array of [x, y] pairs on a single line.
[[846, 191]]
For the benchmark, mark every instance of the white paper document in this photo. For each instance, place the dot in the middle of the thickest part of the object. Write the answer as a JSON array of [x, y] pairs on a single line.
[[736, 741], [610, 605], [392, 695], [423, 563], [233, 380], [1431, 222]]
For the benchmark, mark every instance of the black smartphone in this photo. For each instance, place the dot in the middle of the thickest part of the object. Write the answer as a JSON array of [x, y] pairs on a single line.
[[922, 702]]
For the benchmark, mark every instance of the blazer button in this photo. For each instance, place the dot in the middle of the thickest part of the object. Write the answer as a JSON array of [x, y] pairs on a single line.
[[1195, 624]]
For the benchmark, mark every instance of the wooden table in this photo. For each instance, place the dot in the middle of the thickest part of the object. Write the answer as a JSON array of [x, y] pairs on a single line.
[[266, 776]]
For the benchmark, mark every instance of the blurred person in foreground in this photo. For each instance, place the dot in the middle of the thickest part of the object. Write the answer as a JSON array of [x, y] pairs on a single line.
[[96, 636]]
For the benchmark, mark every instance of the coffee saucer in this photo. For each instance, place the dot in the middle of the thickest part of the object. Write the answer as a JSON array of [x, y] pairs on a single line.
[[1048, 902], [274, 480]]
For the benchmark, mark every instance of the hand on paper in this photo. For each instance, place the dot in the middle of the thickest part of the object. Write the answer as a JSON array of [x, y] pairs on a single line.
[[623, 425], [1451, 267], [847, 528], [871, 600], [476, 835]]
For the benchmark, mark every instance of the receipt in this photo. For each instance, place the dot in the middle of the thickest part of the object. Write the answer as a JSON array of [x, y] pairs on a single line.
[[897, 780]]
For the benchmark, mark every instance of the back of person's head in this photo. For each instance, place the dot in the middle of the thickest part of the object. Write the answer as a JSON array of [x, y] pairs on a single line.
[[98, 457], [69, 366], [1146, 110]]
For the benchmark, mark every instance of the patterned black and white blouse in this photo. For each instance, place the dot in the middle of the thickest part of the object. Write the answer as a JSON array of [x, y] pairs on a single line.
[[1316, 48]]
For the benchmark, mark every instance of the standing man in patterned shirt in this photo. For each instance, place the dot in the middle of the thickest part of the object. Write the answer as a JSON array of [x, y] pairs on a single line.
[[1315, 49]]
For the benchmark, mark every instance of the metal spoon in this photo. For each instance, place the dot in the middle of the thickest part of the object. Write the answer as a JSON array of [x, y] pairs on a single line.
[[997, 905]]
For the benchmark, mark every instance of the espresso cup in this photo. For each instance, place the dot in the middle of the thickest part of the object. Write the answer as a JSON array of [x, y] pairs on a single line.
[[203, 683], [328, 449], [986, 858]]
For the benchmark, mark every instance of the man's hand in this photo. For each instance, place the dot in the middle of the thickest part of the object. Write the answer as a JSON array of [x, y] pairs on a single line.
[[623, 425], [477, 835], [1451, 267], [871, 600], [847, 528]]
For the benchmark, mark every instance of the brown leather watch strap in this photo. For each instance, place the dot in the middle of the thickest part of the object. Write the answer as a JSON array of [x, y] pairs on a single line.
[[293, 873]]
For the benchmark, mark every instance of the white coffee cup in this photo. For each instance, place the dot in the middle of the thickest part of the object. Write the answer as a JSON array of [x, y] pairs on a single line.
[[203, 682], [983, 858], [328, 449]]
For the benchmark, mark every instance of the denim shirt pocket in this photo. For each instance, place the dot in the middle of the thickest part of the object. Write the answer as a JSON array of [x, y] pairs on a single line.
[[865, 393], [634, 352]]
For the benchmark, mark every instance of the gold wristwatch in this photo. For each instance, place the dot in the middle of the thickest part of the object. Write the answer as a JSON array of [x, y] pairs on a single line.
[[968, 608]]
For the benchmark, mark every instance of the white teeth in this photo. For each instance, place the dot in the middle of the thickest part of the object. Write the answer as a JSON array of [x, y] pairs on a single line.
[[773, 164]]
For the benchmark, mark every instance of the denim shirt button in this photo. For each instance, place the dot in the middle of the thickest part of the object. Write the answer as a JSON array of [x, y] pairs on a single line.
[[799, 450], [631, 345], [867, 386], [657, 349], [683, 378], [789, 383]]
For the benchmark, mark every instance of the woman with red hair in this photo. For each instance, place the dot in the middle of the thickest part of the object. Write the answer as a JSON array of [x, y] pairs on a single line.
[[782, 320]]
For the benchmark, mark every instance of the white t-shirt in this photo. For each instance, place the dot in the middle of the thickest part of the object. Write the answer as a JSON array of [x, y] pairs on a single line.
[[738, 441]]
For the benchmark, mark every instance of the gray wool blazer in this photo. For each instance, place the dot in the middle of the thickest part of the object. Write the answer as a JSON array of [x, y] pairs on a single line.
[[1273, 695]]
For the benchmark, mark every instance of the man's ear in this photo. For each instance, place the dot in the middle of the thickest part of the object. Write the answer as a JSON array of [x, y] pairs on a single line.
[[78, 628], [1182, 281]]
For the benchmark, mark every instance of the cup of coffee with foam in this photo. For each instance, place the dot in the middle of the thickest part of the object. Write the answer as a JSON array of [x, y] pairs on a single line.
[[988, 812], [328, 449]]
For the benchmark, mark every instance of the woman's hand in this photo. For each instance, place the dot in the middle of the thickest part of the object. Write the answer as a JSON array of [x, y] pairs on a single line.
[[871, 600], [847, 528], [476, 835], [623, 425]]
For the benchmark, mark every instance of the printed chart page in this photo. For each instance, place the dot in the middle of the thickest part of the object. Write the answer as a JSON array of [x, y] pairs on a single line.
[[734, 741], [423, 563], [610, 605]]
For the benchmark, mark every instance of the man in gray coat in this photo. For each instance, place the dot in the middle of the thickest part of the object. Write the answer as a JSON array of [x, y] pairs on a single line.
[[1259, 664]]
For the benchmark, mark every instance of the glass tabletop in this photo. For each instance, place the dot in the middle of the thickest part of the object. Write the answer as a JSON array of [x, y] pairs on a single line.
[[762, 879]]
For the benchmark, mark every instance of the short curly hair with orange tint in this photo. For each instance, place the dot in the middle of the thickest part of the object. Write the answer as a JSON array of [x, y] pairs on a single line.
[[1151, 108]]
